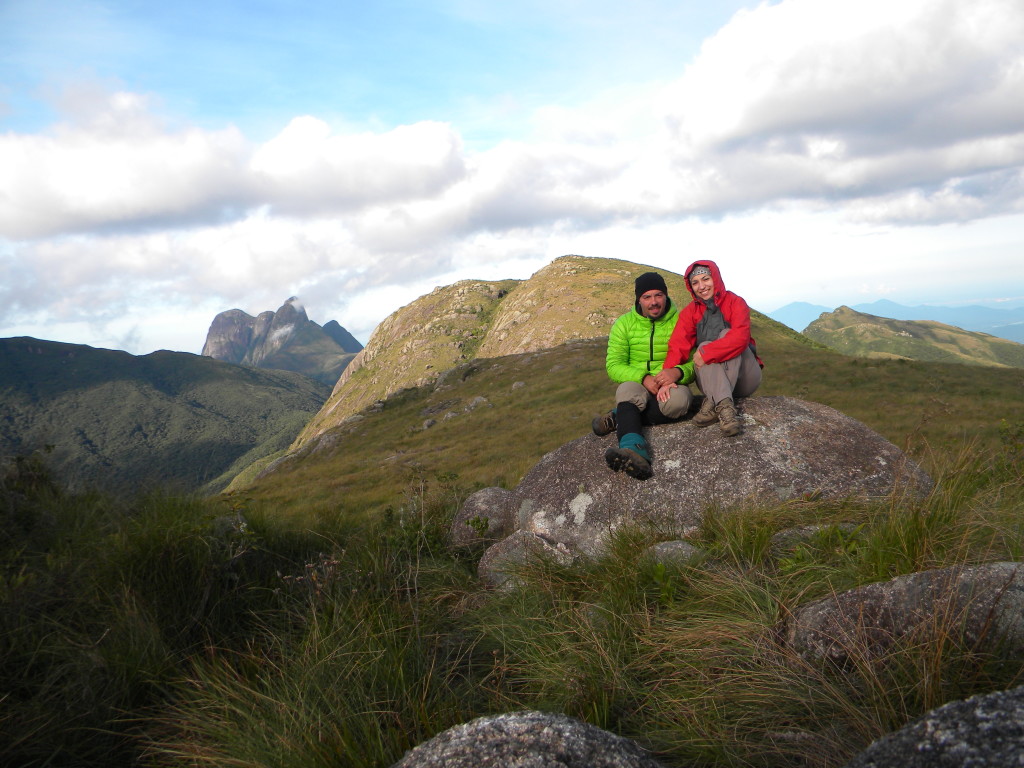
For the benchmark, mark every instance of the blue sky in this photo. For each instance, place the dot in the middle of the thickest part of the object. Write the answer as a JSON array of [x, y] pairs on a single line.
[[160, 163]]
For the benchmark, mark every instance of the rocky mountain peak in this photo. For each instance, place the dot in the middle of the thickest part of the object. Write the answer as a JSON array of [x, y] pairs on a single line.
[[286, 339]]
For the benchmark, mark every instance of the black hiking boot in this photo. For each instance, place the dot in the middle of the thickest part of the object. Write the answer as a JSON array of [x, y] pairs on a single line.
[[630, 462]]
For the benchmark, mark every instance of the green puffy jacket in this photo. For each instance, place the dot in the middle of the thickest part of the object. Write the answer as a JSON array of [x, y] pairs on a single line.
[[637, 346]]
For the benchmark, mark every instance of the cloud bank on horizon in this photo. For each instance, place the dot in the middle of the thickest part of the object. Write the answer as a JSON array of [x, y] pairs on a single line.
[[830, 151]]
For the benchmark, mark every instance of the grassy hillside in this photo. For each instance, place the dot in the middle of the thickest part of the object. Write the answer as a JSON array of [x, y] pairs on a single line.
[[863, 335], [168, 419], [532, 403], [573, 298]]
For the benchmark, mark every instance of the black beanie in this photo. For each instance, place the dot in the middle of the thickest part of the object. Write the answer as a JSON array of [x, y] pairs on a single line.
[[649, 281]]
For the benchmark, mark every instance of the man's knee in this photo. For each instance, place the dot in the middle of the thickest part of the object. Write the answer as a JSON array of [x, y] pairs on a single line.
[[632, 392]]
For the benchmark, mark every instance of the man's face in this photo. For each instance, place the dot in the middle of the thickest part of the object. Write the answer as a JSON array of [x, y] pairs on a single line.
[[653, 303]]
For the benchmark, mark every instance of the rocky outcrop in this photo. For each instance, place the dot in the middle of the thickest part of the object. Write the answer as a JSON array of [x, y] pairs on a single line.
[[790, 449], [978, 608], [982, 732], [284, 340], [527, 740]]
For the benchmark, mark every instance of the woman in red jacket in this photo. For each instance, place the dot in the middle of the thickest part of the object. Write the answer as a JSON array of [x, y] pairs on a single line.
[[717, 325]]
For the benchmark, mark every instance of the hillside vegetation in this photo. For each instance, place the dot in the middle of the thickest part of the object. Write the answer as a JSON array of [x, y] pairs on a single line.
[[162, 631], [168, 420], [495, 418], [574, 297], [863, 335]]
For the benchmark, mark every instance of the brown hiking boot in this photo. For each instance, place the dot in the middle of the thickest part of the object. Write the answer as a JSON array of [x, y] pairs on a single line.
[[706, 416], [728, 419], [604, 424]]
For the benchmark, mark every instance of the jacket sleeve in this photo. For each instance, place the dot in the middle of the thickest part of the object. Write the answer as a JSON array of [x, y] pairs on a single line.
[[737, 338], [680, 344], [617, 362]]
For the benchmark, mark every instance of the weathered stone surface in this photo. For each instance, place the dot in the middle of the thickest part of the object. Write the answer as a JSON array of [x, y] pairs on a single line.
[[674, 553], [484, 518], [789, 539], [981, 732], [498, 564], [980, 605], [527, 740], [789, 449]]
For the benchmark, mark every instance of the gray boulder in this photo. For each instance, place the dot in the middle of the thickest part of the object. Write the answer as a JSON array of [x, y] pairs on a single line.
[[677, 553], [981, 732], [484, 518], [789, 449], [500, 562], [980, 605], [527, 740]]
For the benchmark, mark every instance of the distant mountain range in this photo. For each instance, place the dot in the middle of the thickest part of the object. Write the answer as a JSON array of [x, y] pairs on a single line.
[[167, 420], [1005, 323], [862, 335], [284, 340]]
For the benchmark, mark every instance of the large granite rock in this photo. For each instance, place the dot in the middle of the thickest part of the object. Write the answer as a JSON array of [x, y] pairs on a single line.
[[527, 740], [789, 449], [978, 607], [981, 732]]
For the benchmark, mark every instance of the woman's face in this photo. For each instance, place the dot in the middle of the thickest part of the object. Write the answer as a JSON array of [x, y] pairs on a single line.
[[703, 286]]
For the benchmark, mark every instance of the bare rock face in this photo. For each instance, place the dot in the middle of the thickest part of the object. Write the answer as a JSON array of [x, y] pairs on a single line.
[[789, 449], [286, 340], [230, 336], [979, 606], [527, 740], [982, 732]]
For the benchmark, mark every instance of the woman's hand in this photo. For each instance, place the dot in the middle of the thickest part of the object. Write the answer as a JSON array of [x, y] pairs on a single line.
[[664, 392]]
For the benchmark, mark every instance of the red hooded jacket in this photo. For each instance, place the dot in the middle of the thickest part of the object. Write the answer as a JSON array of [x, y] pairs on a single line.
[[735, 312]]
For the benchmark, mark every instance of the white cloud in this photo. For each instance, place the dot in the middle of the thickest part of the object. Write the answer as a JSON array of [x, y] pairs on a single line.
[[800, 127]]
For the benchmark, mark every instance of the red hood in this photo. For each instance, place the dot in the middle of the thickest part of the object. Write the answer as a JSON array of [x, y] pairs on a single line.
[[716, 276]]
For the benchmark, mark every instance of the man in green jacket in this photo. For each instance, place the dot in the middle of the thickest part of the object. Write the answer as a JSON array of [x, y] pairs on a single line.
[[637, 346]]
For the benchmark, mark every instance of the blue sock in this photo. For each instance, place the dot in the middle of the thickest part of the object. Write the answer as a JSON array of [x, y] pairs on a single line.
[[636, 443]]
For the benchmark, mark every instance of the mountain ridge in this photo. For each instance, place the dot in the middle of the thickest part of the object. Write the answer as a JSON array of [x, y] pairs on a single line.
[[863, 335], [1005, 323], [176, 420]]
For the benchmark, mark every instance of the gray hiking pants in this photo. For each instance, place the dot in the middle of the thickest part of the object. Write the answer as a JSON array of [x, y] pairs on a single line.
[[738, 377]]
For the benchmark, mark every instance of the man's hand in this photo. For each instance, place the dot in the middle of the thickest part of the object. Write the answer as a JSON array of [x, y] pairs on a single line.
[[698, 360], [650, 384], [668, 376]]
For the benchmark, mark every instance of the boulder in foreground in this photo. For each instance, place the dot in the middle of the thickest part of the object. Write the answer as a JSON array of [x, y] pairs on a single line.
[[790, 449]]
